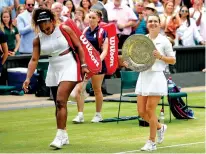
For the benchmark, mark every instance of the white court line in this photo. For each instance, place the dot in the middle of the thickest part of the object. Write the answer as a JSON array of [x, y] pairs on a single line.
[[177, 145]]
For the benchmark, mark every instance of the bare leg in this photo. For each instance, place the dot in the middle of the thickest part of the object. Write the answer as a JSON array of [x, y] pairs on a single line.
[[96, 85], [141, 108], [80, 101], [152, 102], [63, 93], [54, 94]]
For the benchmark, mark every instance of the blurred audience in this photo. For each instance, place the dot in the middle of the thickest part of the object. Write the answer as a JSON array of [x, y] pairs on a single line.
[[140, 25], [25, 29], [71, 8], [79, 18], [159, 6], [20, 9], [99, 5], [187, 33], [86, 5], [57, 8], [123, 17]]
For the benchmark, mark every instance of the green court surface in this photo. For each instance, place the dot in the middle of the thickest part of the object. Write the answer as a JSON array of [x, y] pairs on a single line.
[[32, 130]]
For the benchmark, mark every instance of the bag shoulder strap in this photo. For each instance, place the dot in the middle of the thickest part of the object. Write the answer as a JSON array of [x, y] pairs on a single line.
[[66, 35], [100, 38]]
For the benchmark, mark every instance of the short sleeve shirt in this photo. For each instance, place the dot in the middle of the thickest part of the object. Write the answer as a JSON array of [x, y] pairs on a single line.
[[11, 37], [92, 37], [163, 45]]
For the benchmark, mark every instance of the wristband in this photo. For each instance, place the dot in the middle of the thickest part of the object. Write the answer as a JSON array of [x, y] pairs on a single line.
[[83, 65]]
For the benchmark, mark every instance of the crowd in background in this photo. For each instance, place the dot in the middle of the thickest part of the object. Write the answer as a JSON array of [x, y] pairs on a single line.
[[182, 21]]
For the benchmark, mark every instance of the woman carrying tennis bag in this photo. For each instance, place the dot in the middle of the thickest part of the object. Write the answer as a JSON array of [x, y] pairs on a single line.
[[92, 57]]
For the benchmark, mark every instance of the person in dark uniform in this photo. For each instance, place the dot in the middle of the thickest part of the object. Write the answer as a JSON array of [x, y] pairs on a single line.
[[92, 32], [3, 50]]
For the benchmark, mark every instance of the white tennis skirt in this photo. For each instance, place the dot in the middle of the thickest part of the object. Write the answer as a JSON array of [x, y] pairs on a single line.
[[61, 68], [151, 83]]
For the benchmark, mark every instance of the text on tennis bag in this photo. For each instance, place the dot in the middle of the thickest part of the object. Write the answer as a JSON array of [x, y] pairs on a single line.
[[89, 48]]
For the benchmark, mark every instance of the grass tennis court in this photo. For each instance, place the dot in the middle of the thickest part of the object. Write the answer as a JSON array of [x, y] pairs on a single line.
[[32, 130]]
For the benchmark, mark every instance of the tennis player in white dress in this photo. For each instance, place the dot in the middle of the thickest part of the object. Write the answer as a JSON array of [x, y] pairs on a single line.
[[152, 84], [62, 71]]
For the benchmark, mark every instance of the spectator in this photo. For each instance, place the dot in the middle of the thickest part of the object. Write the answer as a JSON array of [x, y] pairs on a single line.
[[86, 5], [20, 9], [140, 25], [6, 4], [123, 17], [3, 50], [71, 8], [37, 3], [13, 38], [150, 9], [167, 15], [196, 11], [158, 6], [48, 3], [21, 1], [177, 5], [129, 3], [57, 8], [146, 2], [25, 28], [187, 33], [79, 18], [187, 3], [99, 5], [76, 3]]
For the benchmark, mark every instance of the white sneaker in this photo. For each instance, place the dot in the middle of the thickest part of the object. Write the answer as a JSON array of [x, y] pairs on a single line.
[[78, 119], [66, 139], [59, 141], [97, 118], [160, 133], [149, 146]]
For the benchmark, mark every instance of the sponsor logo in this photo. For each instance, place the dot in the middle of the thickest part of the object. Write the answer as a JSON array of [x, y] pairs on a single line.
[[111, 50], [89, 49]]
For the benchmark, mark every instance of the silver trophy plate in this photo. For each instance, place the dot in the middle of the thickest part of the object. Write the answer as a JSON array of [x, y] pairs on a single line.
[[137, 51]]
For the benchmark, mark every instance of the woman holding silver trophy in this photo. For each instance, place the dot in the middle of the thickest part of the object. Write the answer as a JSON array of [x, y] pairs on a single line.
[[150, 57]]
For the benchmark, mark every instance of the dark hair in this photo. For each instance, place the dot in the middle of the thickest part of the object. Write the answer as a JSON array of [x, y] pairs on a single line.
[[42, 15], [73, 6], [188, 16], [90, 4]]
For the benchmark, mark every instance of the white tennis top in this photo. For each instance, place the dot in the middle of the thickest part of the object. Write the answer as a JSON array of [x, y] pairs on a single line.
[[53, 44], [164, 46]]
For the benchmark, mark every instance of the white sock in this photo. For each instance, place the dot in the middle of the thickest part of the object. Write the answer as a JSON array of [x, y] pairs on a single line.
[[61, 132], [80, 113], [98, 113], [152, 142]]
